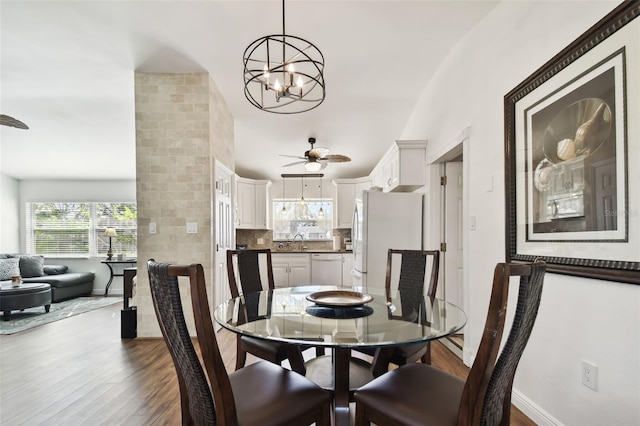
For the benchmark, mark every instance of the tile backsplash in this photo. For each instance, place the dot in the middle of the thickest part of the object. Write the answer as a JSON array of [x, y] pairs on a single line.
[[250, 238]]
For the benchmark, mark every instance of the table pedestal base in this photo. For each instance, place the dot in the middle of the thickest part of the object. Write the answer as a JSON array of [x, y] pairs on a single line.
[[320, 371], [348, 373]]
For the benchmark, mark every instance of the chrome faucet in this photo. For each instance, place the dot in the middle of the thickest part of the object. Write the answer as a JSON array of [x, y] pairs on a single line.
[[301, 240]]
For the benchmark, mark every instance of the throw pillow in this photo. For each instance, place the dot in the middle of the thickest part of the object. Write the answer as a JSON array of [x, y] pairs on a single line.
[[55, 269], [31, 266], [9, 268]]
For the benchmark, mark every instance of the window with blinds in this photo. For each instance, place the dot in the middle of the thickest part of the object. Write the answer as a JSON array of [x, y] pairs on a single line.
[[70, 229]]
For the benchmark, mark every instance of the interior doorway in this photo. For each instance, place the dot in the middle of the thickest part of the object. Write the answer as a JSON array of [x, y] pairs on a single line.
[[449, 227], [452, 184]]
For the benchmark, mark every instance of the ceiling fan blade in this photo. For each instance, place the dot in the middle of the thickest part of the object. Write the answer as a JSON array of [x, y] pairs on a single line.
[[318, 152], [293, 156], [336, 158], [294, 163], [5, 120]]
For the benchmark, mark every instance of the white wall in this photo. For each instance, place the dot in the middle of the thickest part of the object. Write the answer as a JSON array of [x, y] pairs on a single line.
[[9, 221], [71, 190], [598, 321]]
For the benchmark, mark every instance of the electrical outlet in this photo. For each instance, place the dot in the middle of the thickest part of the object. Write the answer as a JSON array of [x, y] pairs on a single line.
[[590, 375], [192, 227]]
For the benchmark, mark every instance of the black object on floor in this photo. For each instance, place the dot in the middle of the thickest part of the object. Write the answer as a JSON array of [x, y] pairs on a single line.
[[129, 323]]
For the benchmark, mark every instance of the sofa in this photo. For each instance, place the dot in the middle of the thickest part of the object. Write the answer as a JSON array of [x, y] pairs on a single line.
[[64, 284]]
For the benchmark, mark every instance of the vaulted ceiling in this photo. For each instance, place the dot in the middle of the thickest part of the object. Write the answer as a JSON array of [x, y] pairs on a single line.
[[67, 71]]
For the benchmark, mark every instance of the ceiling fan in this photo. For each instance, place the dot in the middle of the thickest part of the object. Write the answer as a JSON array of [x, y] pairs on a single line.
[[5, 120], [316, 158]]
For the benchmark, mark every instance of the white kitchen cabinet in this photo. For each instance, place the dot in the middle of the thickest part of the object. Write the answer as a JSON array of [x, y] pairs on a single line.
[[291, 269], [252, 197], [347, 191], [347, 266], [402, 168], [345, 202], [261, 208]]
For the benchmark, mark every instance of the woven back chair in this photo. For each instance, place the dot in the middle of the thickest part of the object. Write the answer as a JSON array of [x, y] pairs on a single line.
[[248, 280], [421, 394], [414, 265], [209, 395]]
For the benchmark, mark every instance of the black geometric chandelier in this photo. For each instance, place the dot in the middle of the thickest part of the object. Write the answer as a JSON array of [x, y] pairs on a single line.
[[283, 74]]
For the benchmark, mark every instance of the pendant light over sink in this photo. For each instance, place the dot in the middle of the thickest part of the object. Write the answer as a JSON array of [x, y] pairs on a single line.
[[321, 211], [283, 74], [283, 212]]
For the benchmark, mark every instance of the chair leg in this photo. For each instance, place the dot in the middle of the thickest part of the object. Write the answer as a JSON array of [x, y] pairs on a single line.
[[241, 356], [361, 420], [426, 358]]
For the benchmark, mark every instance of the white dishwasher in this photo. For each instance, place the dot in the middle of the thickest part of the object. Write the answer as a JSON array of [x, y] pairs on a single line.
[[326, 269]]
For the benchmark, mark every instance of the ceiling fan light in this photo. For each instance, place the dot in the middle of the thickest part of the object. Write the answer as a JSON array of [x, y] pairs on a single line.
[[313, 166]]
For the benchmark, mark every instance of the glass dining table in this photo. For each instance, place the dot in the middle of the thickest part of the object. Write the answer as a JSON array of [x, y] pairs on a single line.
[[340, 320]]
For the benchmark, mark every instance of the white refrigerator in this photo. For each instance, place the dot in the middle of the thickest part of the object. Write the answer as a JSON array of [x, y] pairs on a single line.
[[383, 220]]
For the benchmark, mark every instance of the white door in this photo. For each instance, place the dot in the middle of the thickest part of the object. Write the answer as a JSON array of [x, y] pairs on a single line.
[[452, 217], [224, 231]]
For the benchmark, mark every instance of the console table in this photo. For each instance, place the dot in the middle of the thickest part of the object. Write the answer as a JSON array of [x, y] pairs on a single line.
[[110, 264]]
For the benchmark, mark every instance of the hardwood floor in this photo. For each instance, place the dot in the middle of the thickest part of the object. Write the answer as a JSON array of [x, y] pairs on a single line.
[[79, 372]]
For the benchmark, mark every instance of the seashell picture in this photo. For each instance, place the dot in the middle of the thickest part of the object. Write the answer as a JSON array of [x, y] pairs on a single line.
[[578, 130]]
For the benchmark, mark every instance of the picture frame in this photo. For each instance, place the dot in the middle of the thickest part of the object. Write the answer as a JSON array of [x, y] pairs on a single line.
[[572, 156]]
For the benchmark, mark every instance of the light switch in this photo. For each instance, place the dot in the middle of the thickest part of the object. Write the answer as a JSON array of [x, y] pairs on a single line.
[[152, 228], [472, 223], [192, 227], [490, 184]]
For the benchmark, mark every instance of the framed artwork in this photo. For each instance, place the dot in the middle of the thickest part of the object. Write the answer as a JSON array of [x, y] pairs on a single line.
[[572, 148]]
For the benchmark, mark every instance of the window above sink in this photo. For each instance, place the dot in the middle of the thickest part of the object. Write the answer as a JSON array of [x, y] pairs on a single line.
[[311, 219]]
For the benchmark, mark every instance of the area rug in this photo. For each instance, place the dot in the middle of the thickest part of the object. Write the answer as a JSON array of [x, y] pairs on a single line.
[[33, 317]]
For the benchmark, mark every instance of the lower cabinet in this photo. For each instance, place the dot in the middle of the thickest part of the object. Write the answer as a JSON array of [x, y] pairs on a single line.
[[291, 269]]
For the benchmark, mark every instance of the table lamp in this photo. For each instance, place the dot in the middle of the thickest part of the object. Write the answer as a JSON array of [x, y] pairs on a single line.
[[110, 232]]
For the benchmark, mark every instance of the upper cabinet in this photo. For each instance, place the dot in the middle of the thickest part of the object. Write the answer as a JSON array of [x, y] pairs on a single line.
[[252, 197], [347, 190], [402, 168], [345, 202]]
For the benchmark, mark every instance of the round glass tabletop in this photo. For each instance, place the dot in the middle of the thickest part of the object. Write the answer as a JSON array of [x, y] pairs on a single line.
[[286, 315]]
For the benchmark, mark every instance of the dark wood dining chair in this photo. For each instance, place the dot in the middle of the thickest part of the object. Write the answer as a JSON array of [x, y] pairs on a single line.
[[248, 280], [414, 265], [260, 394], [421, 394]]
